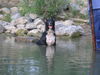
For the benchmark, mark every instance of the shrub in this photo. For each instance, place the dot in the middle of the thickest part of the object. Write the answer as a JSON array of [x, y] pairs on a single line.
[[21, 32], [45, 8], [26, 6], [49, 8], [7, 18]]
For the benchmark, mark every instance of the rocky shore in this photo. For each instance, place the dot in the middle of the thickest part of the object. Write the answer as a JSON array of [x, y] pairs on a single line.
[[33, 25]]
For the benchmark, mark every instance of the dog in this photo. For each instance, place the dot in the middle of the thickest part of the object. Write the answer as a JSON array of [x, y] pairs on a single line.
[[48, 23], [50, 37]]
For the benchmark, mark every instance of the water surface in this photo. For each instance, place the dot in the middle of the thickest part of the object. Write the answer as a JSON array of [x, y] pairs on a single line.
[[69, 57]]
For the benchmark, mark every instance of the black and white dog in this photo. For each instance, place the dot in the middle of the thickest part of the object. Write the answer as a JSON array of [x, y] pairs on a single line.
[[49, 26]]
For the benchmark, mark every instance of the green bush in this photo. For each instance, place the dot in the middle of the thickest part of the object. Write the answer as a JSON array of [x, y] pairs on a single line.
[[7, 18], [44, 8], [26, 6], [49, 8], [21, 32]]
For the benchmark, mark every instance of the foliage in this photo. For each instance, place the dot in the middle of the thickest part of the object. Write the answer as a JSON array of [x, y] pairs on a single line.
[[49, 8], [26, 6], [21, 32], [7, 18], [45, 8]]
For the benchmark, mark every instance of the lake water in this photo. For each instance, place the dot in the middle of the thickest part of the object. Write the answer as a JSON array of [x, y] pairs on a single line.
[[69, 57]]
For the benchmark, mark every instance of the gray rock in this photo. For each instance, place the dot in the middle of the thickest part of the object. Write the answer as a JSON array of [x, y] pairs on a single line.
[[38, 21], [33, 16], [14, 10], [1, 17], [3, 23], [21, 20], [70, 31], [5, 10], [34, 32], [30, 26], [9, 27], [2, 29], [20, 26], [41, 27], [68, 22], [15, 16]]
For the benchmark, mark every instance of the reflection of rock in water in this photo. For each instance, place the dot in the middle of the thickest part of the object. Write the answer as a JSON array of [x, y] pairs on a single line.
[[50, 50]]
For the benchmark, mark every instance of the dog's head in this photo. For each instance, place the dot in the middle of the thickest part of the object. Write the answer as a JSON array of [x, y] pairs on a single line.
[[50, 23]]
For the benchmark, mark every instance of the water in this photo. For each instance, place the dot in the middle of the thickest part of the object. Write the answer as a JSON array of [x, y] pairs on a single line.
[[69, 57]]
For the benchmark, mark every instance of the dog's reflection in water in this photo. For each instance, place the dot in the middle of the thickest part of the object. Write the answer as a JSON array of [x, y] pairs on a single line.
[[50, 51]]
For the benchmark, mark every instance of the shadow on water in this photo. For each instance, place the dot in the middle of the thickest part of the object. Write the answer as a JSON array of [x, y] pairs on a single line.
[[69, 57]]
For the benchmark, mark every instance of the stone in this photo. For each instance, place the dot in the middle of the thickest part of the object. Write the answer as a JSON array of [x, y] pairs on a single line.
[[41, 28], [3, 23], [20, 26], [30, 26], [10, 29], [34, 32], [33, 16], [1, 17], [21, 20], [58, 24], [24, 39], [14, 10], [5, 10], [70, 31], [38, 21], [15, 16], [2, 29], [68, 22]]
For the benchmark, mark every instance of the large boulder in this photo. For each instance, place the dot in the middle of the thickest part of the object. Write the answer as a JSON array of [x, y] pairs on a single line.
[[5, 10], [10, 29], [40, 24], [30, 26], [20, 26], [21, 20], [38, 21], [68, 22], [41, 28], [34, 32], [70, 30]]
